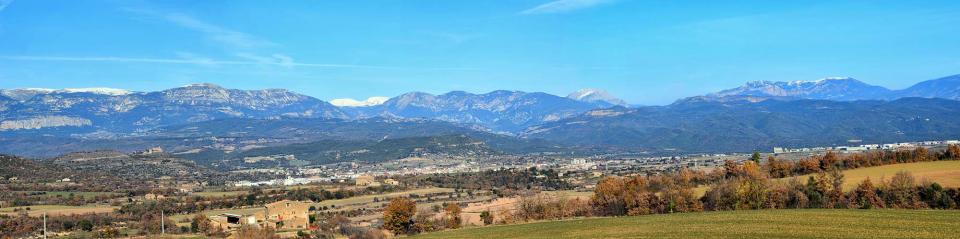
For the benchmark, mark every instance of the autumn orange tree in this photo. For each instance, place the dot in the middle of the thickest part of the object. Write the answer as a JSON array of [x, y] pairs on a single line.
[[865, 196], [778, 168], [953, 151], [901, 191], [254, 232], [749, 185], [200, 224], [608, 197], [398, 216], [453, 215]]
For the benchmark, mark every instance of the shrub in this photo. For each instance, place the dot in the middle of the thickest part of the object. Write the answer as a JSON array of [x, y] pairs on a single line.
[[865, 196], [453, 215], [486, 217]]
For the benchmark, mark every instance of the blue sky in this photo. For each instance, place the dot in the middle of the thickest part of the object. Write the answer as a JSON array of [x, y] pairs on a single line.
[[646, 52]]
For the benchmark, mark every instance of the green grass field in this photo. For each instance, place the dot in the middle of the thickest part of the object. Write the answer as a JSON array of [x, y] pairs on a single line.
[[946, 173], [736, 224]]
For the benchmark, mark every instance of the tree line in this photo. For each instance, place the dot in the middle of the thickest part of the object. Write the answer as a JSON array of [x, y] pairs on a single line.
[[497, 180], [751, 184], [255, 197]]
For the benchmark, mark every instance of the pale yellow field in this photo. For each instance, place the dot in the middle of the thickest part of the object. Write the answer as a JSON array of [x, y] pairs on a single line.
[[569, 194], [499, 206], [38, 210], [699, 191], [946, 173]]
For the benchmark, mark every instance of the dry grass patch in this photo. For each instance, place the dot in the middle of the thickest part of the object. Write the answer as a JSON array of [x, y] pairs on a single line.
[[946, 173], [38, 210]]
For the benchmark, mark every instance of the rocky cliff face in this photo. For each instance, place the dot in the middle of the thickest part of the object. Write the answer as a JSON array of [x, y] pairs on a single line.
[[43, 122]]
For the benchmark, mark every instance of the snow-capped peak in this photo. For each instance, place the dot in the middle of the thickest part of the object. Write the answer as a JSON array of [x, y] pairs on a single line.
[[583, 93], [595, 95], [835, 78], [819, 81], [40, 90], [24, 93], [347, 102], [98, 90], [828, 88], [201, 85]]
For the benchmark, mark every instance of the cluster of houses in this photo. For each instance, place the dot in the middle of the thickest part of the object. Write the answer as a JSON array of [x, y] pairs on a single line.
[[866, 147], [361, 180], [370, 181], [281, 215], [289, 181], [151, 151]]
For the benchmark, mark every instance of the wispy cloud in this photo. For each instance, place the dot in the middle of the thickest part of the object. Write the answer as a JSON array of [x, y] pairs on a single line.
[[247, 47], [186, 58], [220, 34], [275, 59], [116, 59], [199, 60], [4, 4], [561, 6]]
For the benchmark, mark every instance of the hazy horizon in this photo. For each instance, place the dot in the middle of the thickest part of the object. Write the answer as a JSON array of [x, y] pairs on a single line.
[[649, 53]]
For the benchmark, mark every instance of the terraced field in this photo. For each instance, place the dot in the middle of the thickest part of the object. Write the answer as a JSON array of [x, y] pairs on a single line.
[[821, 223]]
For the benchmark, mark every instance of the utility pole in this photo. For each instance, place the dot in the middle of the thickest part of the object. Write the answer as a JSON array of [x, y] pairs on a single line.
[[44, 225], [163, 226]]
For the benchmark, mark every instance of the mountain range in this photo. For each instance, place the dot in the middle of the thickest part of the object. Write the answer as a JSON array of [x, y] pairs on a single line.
[[500, 111], [202, 118], [835, 88], [122, 112], [744, 126], [117, 111]]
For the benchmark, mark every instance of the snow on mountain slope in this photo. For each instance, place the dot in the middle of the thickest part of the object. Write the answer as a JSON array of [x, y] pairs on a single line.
[[596, 95], [347, 102], [97, 90], [830, 88]]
